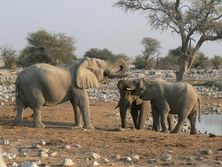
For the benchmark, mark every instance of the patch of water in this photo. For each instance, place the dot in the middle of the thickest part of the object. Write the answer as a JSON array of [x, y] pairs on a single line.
[[211, 124]]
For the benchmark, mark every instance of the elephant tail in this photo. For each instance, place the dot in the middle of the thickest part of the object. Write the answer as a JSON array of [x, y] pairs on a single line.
[[199, 108]]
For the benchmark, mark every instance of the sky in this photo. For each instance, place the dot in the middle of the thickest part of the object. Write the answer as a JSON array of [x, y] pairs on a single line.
[[93, 24]]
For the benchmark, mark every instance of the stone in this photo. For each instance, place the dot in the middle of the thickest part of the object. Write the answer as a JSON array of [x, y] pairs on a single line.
[[128, 159], [29, 164], [67, 147], [135, 157], [166, 157], [44, 154], [95, 156], [68, 162], [95, 163]]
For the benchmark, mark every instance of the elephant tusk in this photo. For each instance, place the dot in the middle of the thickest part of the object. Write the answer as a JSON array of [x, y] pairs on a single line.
[[129, 89]]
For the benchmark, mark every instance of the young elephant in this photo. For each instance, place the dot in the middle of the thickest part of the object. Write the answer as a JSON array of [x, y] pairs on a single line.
[[175, 98], [44, 85], [139, 109]]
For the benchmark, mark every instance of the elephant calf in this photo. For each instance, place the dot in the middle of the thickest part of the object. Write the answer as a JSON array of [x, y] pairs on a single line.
[[167, 97], [138, 108]]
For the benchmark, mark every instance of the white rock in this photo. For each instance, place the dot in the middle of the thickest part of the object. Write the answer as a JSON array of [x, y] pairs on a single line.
[[9, 155], [68, 162], [128, 159], [67, 147], [44, 154], [14, 164], [95, 156], [53, 154], [95, 163], [29, 164], [166, 157], [77, 145], [135, 157]]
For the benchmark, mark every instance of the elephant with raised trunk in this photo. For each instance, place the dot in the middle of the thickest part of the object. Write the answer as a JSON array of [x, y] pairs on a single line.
[[179, 98], [139, 109], [43, 85]]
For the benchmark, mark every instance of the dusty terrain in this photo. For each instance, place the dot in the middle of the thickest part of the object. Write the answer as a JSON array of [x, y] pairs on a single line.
[[114, 146]]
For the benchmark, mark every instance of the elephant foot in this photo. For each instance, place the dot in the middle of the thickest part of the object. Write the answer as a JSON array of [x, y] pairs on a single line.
[[165, 131], [88, 127], [175, 131], [38, 125], [17, 123], [76, 126], [193, 132]]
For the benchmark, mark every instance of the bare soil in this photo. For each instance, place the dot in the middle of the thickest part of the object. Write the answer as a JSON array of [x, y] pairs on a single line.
[[107, 140]]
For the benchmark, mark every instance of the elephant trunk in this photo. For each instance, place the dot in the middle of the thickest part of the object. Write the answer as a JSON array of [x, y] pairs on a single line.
[[123, 111], [117, 69]]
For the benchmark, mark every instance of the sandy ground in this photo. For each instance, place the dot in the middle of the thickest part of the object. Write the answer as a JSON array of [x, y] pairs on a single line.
[[115, 147]]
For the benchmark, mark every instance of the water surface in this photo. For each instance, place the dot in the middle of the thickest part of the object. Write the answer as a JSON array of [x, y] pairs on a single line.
[[211, 124]]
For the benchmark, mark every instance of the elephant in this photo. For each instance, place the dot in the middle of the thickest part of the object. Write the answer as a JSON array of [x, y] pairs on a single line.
[[139, 109], [44, 85], [179, 98]]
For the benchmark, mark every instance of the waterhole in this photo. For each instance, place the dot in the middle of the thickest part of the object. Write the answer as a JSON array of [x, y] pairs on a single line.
[[211, 124]]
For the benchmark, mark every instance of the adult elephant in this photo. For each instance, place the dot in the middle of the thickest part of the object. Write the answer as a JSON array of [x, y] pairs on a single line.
[[167, 97], [139, 109], [43, 85]]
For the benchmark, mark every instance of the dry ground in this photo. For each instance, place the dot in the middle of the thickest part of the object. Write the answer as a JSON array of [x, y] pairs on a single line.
[[111, 144]]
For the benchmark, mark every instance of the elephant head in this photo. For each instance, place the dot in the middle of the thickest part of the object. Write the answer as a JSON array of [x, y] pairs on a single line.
[[132, 102], [147, 90], [91, 71]]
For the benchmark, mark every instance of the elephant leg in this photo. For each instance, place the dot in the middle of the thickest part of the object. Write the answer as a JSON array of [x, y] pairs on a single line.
[[181, 118], [170, 120], [156, 119], [77, 114], [123, 111], [192, 118], [37, 121], [164, 120], [20, 107], [134, 113], [82, 101], [143, 114], [85, 110]]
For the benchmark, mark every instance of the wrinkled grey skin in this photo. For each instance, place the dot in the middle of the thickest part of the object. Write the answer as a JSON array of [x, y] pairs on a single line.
[[44, 85], [175, 98], [139, 109]]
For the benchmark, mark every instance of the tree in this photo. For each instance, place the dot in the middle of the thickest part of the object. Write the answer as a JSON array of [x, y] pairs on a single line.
[[151, 47], [45, 47], [171, 59], [196, 21], [202, 61], [9, 57], [216, 62], [104, 54]]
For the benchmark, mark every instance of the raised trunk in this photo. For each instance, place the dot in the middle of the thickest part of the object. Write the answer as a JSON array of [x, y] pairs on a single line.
[[117, 69]]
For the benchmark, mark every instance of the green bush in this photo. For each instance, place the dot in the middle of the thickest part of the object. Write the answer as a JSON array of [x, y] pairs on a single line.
[[45, 47], [9, 57]]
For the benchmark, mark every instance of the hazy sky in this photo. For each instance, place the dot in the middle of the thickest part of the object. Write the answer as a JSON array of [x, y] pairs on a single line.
[[93, 23]]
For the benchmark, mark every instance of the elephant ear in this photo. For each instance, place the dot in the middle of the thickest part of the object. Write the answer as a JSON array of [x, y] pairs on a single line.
[[88, 72], [154, 90]]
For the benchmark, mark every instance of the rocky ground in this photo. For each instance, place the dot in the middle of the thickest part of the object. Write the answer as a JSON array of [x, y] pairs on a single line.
[[107, 145]]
